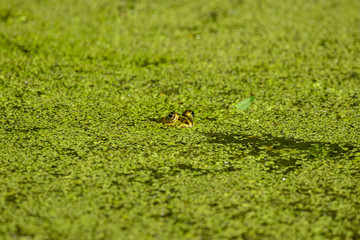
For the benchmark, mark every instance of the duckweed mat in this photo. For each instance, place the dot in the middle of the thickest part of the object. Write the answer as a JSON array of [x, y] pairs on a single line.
[[81, 82]]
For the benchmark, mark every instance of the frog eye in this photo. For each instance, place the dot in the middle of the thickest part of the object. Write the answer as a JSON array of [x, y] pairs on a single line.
[[189, 113], [172, 116]]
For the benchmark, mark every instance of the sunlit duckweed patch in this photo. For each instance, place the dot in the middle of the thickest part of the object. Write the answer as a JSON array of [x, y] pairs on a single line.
[[82, 158]]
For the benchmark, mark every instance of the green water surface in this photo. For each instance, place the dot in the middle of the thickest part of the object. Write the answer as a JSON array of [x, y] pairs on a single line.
[[81, 80]]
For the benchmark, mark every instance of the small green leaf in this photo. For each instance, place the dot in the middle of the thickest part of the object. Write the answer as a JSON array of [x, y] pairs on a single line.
[[244, 104]]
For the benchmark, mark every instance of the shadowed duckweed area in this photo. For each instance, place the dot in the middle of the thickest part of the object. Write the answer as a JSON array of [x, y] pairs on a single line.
[[81, 82]]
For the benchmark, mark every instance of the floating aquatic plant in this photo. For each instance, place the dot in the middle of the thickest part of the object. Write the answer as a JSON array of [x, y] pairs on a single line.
[[245, 104]]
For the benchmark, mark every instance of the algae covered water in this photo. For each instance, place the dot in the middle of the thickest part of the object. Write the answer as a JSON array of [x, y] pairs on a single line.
[[82, 158]]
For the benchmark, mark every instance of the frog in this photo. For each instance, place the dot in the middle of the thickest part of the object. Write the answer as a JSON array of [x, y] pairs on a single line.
[[173, 119]]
